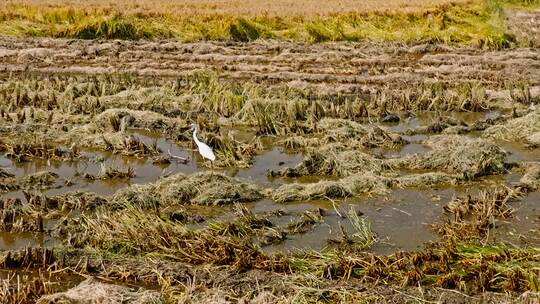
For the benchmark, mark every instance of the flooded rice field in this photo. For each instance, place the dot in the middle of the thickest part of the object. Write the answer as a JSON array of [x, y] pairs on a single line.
[[376, 152], [401, 218]]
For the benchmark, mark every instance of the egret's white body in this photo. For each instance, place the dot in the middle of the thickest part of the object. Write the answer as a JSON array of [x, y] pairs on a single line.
[[204, 149]]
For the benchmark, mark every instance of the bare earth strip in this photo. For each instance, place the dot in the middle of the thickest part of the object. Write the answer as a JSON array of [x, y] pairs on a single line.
[[343, 66]]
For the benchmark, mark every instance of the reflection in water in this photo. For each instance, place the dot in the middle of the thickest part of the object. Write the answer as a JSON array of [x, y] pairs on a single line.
[[11, 241]]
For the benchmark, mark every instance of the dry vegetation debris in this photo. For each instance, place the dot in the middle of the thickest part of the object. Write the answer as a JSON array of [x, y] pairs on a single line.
[[92, 291], [332, 159], [82, 201], [25, 149], [356, 134], [473, 217], [525, 128], [42, 180], [361, 183], [108, 130], [205, 188], [457, 154], [530, 180]]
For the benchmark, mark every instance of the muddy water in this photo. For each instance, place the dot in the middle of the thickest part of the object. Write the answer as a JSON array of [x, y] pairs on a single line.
[[401, 220], [145, 170], [524, 226], [12, 241], [517, 153]]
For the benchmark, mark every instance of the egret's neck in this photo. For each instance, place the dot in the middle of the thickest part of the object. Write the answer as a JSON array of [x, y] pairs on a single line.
[[195, 136]]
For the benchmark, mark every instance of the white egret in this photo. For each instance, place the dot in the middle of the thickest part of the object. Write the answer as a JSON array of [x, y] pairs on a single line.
[[204, 149]]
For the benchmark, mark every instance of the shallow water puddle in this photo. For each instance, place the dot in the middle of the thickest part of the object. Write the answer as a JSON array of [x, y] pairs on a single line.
[[523, 228], [145, 170], [273, 159], [13, 241], [517, 152], [401, 220]]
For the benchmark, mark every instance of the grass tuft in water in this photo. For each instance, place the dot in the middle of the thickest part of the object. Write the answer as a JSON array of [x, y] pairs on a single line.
[[364, 237]]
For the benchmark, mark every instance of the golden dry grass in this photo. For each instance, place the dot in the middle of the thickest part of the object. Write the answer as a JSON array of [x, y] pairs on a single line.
[[478, 22], [245, 8]]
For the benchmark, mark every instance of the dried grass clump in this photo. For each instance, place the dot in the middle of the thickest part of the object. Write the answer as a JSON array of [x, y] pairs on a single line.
[[231, 152], [486, 204], [93, 291], [203, 188], [435, 96], [9, 183], [19, 217], [206, 188], [440, 125], [518, 129], [40, 179], [134, 146], [474, 216], [298, 142], [20, 287], [371, 183], [107, 130], [468, 268], [349, 186], [139, 196], [37, 201], [355, 134], [115, 120], [457, 154], [84, 201], [26, 149], [111, 172], [136, 231], [533, 140], [83, 94], [306, 222], [159, 99], [363, 237], [274, 116], [118, 143], [531, 179], [332, 159], [27, 258]]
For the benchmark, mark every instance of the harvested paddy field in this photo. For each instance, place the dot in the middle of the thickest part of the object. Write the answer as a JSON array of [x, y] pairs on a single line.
[[371, 171]]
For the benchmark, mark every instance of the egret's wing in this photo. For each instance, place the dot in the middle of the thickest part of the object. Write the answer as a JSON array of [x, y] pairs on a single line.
[[206, 151]]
